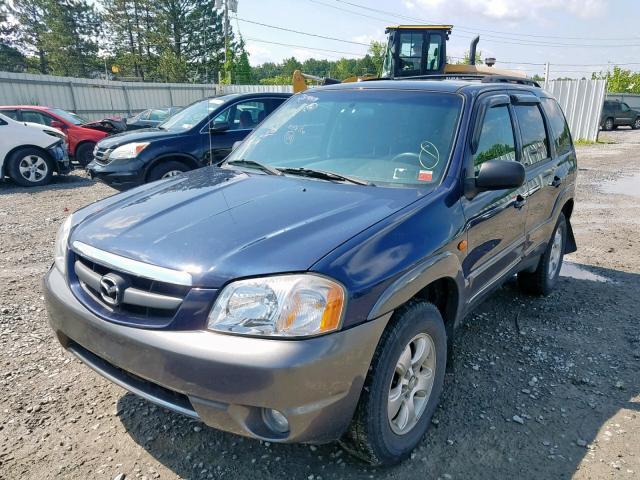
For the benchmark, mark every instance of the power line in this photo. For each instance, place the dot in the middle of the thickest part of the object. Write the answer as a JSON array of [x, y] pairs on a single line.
[[474, 29], [301, 46], [302, 33]]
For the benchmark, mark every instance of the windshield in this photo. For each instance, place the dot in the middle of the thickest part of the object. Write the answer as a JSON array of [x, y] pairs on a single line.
[[68, 116], [191, 115], [385, 137]]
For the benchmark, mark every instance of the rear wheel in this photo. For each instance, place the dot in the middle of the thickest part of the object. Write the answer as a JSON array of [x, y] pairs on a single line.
[[84, 153], [402, 388], [608, 124], [543, 280], [30, 167], [167, 170]]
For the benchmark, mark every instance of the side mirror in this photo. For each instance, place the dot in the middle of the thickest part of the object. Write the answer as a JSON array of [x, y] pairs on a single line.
[[58, 125], [236, 144], [495, 175], [218, 127]]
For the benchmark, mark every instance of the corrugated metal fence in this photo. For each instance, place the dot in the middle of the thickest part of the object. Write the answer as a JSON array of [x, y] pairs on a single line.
[[581, 101], [95, 99]]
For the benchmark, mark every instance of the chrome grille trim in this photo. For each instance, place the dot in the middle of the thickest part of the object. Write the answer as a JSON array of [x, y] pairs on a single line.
[[133, 267], [131, 295]]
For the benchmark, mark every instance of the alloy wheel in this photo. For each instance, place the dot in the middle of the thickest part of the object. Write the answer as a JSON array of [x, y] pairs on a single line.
[[33, 168], [555, 255], [411, 384], [172, 173]]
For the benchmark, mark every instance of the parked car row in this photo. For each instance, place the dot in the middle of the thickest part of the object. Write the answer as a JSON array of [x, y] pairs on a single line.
[[155, 143]]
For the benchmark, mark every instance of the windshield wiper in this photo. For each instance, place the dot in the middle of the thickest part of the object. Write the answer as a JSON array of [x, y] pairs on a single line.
[[253, 164], [309, 172]]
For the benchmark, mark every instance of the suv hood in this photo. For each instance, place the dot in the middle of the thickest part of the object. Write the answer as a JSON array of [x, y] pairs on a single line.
[[135, 136], [220, 224]]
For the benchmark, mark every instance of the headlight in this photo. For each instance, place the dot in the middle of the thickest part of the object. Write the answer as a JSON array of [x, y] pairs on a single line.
[[130, 150], [61, 248], [280, 306]]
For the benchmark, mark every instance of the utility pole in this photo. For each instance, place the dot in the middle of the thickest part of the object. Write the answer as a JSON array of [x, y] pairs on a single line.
[[546, 75], [226, 5]]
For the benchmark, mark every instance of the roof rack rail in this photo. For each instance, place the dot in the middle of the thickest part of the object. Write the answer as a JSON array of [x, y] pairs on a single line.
[[472, 76], [509, 79]]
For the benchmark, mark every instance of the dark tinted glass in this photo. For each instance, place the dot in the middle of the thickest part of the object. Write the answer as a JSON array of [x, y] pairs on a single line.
[[558, 124], [10, 113], [496, 137], [36, 117], [534, 136]]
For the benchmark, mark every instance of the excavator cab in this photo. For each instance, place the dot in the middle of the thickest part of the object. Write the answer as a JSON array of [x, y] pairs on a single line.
[[415, 50]]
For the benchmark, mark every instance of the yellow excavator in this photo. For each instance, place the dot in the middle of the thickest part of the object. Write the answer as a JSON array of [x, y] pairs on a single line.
[[419, 51]]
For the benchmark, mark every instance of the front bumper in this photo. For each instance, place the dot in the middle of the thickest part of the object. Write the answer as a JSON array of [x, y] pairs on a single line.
[[122, 174], [225, 380], [59, 153]]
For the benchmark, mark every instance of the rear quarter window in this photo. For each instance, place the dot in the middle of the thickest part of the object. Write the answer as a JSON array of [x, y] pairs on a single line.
[[559, 128]]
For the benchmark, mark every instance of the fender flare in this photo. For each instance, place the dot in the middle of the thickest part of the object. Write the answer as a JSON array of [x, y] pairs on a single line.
[[445, 265]]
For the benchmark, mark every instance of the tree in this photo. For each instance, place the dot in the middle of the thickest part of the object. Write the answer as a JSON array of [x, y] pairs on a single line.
[[11, 59], [32, 19], [70, 41], [377, 50], [466, 58], [620, 80], [242, 70]]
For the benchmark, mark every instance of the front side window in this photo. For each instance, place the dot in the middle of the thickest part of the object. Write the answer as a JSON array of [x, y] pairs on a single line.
[[389, 138], [496, 141], [70, 117], [533, 133], [624, 107], [243, 115], [559, 127]]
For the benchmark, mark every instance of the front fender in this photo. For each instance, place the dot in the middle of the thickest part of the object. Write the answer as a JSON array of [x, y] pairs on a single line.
[[443, 265]]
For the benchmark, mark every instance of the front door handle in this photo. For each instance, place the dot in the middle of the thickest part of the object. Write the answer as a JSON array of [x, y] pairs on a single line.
[[557, 181], [519, 202]]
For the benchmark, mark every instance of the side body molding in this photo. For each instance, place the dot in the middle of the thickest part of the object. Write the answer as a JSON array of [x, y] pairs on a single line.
[[442, 265]]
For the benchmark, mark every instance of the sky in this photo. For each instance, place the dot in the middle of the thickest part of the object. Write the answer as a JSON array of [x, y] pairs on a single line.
[[576, 37]]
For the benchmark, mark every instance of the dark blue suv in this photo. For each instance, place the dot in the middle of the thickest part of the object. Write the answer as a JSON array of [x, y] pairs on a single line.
[[308, 289], [201, 134]]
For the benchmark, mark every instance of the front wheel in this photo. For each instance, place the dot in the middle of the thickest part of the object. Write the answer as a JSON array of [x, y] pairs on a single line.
[[30, 167], [84, 153], [543, 280], [636, 124], [166, 170], [402, 388]]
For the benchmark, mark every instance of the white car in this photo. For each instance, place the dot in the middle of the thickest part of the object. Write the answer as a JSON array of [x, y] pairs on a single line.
[[29, 155]]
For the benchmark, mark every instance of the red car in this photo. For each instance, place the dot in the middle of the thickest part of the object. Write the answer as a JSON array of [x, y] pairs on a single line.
[[82, 135]]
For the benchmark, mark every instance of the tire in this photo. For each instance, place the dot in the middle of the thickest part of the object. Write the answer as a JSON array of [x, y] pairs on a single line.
[[84, 153], [373, 436], [636, 124], [30, 167], [608, 124], [166, 169], [543, 280]]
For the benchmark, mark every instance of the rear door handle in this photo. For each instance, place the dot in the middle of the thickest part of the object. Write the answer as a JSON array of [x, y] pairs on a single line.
[[519, 202], [557, 181]]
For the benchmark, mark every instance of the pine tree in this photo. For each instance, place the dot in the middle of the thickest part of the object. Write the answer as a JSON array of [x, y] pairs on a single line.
[[32, 20]]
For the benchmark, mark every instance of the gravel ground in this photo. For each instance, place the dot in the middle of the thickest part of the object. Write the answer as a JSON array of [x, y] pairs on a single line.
[[541, 387]]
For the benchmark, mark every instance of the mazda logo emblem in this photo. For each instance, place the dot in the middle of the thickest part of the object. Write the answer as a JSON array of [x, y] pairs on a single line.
[[111, 289]]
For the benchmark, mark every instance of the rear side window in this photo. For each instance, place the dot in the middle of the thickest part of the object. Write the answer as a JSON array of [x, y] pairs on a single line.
[[496, 139], [534, 136], [559, 128]]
